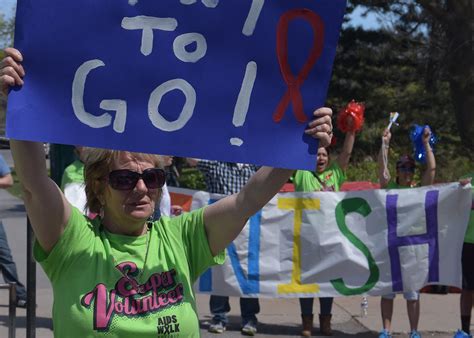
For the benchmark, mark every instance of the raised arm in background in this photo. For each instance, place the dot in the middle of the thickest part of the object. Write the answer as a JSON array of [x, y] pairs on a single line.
[[46, 205], [344, 157], [430, 170], [382, 160]]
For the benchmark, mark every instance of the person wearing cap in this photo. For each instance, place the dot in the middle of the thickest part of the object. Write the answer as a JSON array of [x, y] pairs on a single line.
[[405, 171]]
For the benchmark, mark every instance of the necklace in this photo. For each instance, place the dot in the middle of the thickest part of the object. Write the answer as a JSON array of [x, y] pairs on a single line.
[[134, 282]]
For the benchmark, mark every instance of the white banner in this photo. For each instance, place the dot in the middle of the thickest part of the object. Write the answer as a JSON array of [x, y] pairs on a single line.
[[343, 243]]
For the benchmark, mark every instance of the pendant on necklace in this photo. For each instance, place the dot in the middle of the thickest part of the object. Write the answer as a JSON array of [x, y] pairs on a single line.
[[140, 289]]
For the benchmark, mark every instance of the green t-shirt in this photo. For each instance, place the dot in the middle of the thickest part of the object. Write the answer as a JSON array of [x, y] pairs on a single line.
[[74, 173], [92, 273], [332, 178], [469, 238], [395, 185]]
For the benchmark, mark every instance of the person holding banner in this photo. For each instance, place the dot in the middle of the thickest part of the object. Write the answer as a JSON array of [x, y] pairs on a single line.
[[72, 181], [467, 292], [328, 176], [228, 178], [405, 167], [120, 274]]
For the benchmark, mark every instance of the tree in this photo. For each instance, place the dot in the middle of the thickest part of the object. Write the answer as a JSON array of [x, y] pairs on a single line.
[[445, 31]]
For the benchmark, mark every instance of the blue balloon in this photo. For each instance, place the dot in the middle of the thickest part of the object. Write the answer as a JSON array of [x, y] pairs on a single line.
[[416, 136]]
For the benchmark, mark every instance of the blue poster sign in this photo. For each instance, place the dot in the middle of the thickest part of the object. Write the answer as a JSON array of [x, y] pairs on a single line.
[[233, 80]]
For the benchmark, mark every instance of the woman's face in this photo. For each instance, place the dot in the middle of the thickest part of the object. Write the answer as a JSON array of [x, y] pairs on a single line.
[[126, 211], [323, 160]]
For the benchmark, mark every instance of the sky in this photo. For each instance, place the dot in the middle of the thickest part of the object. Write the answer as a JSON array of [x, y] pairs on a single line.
[[6, 8]]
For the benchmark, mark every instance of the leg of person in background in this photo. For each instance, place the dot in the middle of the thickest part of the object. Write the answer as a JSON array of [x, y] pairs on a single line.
[[219, 306], [413, 310], [325, 305], [249, 308], [306, 305], [8, 268], [386, 308], [466, 308], [467, 291]]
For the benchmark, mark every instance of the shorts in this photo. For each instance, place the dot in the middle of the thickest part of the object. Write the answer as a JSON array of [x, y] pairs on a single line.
[[409, 295], [468, 266]]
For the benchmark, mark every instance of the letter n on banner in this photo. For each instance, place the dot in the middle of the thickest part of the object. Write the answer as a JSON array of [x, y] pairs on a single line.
[[430, 238], [298, 205], [249, 284]]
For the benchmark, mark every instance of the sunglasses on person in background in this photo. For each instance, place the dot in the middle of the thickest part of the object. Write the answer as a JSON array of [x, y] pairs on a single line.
[[123, 179]]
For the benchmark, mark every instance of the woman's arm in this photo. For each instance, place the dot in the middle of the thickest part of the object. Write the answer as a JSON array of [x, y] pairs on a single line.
[[225, 219], [382, 160], [430, 171], [45, 204], [344, 157], [6, 181]]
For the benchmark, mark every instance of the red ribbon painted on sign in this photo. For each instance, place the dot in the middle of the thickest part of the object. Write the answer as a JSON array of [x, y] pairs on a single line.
[[293, 93]]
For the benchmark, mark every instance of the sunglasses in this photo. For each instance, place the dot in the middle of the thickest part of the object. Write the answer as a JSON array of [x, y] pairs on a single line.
[[406, 169], [154, 178]]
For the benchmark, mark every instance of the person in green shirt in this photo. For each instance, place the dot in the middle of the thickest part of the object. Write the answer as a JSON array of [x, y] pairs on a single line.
[[121, 274], [72, 181], [467, 292], [327, 176], [404, 179]]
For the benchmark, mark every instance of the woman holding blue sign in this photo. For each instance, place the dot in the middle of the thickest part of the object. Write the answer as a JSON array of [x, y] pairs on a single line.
[[405, 167], [121, 274]]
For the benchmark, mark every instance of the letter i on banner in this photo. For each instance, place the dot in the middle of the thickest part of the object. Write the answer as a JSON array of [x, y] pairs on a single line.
[[297, 205]]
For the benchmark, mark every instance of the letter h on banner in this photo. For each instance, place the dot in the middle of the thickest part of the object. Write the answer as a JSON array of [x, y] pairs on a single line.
[[430, 238]]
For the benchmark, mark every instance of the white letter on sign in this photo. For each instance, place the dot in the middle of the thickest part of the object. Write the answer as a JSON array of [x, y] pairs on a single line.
[[180, 43], [77, 99], [148, 24], [155, 99]]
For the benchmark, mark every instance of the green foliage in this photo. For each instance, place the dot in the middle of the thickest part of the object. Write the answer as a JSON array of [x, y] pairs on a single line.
[[6, 31], [192, 178]]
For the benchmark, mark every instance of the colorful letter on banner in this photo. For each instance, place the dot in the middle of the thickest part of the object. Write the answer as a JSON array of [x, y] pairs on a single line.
[[206, 79], [327, 244], [430, 238], [248, 280]]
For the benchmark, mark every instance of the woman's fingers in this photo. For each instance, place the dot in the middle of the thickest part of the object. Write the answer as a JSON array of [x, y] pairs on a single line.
[[11, 71], [321, 126]]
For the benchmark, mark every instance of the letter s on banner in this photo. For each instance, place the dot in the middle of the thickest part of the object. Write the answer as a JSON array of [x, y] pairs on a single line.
[[360, 206]]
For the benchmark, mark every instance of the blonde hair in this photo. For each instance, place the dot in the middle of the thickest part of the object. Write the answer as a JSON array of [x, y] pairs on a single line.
[[97, 165]]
